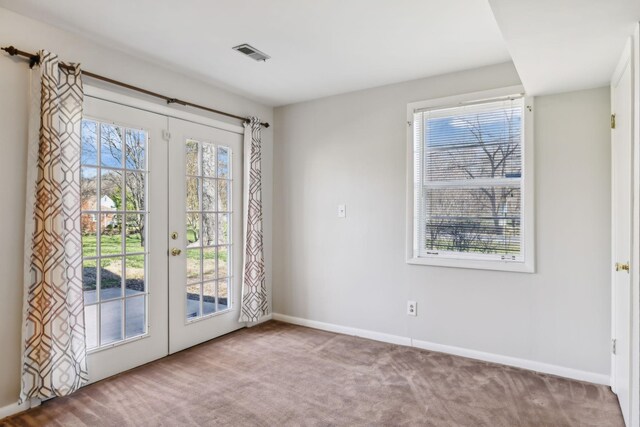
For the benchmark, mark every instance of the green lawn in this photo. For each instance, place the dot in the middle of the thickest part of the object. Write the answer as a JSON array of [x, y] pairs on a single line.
[[112, 245]]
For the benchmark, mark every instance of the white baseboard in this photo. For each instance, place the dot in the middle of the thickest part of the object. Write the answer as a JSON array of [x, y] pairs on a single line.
[[531, 365], [363, 333], [14, 408]]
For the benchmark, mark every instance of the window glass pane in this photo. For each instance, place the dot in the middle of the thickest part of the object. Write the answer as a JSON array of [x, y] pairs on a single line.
[[111, 146], [482, 220], [135, 314], [475, 142], [110, 322], [135, 143], [89, 141], [208, 159]]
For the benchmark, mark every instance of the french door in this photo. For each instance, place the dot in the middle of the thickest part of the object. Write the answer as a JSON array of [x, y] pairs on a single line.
[[161, 223], [205, 214]]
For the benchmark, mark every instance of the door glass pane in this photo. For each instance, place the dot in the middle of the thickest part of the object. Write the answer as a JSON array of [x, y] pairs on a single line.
[[208, 298], [193, 301], [193, 265], [208, 264], [134, 275], [110, 322], [208, 226], [209, 160], [135, 233], [110, 146], [91, 325], [110, 234], [135, 316], [208, 229], [89, 141], [110, 278], [223, 294], [89, 281], [209, 195], [114, 222], [134, 155]]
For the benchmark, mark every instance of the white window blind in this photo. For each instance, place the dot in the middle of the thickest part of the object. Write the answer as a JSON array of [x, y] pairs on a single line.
[[468, 169]]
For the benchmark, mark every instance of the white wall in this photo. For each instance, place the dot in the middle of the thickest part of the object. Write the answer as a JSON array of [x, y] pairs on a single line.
[[30, 35], [351, 149]]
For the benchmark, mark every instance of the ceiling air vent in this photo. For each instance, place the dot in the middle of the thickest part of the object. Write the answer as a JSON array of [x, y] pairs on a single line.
[[252, 52]]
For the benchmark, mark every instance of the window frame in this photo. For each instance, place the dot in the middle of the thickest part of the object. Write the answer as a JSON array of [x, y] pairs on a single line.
[[462, 260]]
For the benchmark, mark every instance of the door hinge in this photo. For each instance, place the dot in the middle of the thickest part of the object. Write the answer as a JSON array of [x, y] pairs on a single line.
[[166, 135], [613, 346], [613, 121]]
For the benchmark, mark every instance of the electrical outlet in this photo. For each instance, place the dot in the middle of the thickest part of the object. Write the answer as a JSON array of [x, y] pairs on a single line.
[[412, 308], [342, 211]]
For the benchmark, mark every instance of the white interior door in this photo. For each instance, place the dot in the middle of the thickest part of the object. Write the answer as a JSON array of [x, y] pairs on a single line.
[[622, 143], [205, 217], [124, 224]]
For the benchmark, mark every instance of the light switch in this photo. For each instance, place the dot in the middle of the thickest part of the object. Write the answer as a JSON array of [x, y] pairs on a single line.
[[342, 211]]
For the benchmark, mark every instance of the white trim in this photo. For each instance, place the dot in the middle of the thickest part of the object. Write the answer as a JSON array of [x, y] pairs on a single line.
[[16, 408], [346, 330], [527, 265], [531, 365], [130, 101]]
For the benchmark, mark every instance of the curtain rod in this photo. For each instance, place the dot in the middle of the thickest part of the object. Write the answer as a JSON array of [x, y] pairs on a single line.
[[35, 59]]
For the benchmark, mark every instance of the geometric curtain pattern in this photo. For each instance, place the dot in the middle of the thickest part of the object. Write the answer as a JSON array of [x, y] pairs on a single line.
[[54, 352], [254, 292]]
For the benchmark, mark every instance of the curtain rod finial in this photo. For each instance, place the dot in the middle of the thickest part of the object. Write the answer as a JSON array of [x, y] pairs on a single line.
[[10, 50]]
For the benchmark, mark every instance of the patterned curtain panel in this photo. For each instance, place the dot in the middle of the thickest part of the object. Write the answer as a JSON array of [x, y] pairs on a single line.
[[54, 352], [254, 291]]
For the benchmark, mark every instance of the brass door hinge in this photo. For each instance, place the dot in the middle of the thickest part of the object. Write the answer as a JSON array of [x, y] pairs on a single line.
[[613, 121], [622, 266]]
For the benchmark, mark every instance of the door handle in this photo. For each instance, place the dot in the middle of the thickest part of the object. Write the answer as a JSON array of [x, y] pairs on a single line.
[[175, 251], [623, 267]]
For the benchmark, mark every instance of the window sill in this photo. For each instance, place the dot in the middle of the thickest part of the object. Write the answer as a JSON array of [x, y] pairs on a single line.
[[513, 266]]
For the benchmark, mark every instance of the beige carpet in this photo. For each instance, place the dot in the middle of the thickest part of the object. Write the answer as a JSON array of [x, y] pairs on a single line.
[[282, 375]]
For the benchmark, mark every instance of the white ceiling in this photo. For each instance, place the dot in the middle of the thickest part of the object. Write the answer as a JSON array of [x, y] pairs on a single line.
[[318, 47], [563, 45], [326, 47]]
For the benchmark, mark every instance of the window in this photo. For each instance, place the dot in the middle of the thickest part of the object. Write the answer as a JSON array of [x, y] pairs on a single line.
[[471, 186]]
